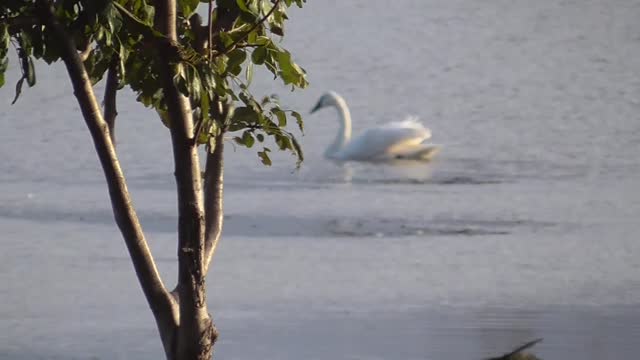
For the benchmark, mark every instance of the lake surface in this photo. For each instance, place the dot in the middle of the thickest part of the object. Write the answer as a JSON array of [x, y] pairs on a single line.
[[525, 226]]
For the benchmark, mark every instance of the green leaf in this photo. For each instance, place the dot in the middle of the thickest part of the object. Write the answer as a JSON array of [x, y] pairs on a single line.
[[164, 117], [299, 121], [247, 139], [196, 87], [225, 38], [270, 63], [4, 64], [261, 40], [108, 36], [283, 142], [146, 13], [264, 156], [52, 49], [244, 114], [97, 64], [298, 150], [4, 37], [266, 6], [112, 17], [18, 90], [182, 80], [204, 104], [208, 79], [122, 58], [31, 73], [243, 5], [203, 137], [259, 55], [290, 72], [236, 58], [277, 30], [282, 117], [249, 73], [248, 99]]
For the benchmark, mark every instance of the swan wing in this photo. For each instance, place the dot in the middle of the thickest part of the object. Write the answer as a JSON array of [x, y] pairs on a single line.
[[387, 141]]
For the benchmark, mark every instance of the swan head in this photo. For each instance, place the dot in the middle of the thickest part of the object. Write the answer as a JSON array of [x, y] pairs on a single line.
[[330, 98]]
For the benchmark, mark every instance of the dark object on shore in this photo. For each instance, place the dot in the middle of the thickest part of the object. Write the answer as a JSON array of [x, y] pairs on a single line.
[[518, 353]]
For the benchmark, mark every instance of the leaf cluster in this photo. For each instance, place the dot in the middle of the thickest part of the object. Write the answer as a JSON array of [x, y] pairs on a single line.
[[240, 35]]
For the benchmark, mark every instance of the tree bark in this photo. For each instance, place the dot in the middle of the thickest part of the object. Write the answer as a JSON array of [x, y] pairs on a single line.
[[213, 192], [162, 304], [214, 167], [196, 333]]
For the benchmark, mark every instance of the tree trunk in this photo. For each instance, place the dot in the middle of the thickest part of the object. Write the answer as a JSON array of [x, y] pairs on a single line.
[[196, 333]]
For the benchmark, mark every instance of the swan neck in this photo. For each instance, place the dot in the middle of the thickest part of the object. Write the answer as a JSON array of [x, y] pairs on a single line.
[[344, 133]]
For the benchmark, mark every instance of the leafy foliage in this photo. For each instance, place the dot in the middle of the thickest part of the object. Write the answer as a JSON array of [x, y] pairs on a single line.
[[122, 32]]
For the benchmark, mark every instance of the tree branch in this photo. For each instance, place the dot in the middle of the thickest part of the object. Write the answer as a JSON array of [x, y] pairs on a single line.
[[213, 192], [165, 18], [187, 169], [126, 218], [110, 91]]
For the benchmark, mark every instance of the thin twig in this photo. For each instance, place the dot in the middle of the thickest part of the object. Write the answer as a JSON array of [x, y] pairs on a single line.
[[246, 34], [239, 46]]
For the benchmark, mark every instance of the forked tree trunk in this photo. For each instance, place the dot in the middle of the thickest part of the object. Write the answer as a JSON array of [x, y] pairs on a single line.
[[182, 317]]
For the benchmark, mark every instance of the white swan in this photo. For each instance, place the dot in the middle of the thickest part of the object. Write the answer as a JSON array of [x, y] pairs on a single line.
[[396, 140]]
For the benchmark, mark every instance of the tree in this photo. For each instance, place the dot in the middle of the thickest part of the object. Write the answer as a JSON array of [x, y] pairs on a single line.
[[190, 72]]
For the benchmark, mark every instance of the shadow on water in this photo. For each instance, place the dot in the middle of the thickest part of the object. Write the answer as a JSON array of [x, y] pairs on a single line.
[[450, 180], [258, 225]]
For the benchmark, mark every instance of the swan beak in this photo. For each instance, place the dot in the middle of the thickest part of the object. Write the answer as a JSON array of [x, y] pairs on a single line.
[[316, 108]]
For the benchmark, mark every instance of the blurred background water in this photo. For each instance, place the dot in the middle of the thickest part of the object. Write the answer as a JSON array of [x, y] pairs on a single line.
[[525, 226]]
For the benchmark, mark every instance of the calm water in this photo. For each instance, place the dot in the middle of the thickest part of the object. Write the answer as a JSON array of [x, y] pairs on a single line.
[[525, 226]]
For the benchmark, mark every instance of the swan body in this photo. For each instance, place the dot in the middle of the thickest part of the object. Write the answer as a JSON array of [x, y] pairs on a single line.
[[395, 140]]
